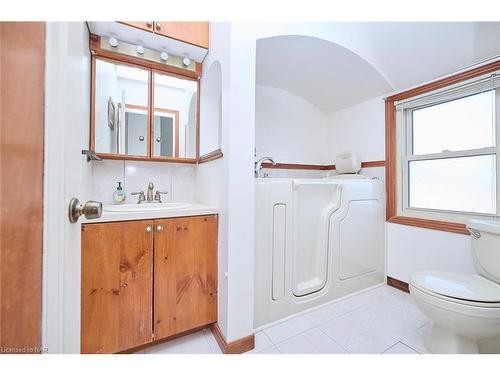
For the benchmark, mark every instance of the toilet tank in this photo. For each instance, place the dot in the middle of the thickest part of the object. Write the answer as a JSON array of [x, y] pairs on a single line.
[[485, 242]]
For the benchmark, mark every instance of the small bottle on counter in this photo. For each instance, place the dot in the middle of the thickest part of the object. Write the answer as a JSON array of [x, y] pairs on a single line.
[[119, 194]]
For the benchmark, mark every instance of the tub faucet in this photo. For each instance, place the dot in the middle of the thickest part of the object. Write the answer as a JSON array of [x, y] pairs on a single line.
[[258, 164]]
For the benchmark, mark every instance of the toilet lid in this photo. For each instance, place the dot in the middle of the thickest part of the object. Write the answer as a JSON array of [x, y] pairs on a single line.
[[465, 287]]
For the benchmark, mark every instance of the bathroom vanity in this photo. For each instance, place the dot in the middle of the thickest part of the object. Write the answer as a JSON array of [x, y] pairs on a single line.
[[147, 276]]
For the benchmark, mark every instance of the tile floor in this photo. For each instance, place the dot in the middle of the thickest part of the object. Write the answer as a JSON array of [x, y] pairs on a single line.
[[382, 320]]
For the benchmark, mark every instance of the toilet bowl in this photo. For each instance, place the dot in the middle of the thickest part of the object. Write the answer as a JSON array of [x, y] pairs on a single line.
[[464, 309]]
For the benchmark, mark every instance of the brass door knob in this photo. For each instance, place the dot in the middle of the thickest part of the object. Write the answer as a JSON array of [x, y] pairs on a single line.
[[158, 25], [91, 210]]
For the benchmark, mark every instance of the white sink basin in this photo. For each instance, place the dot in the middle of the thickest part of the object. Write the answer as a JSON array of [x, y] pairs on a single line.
[[145, 207]]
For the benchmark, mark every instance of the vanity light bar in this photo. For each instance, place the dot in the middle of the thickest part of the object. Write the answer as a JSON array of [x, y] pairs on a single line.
[[112, 45]]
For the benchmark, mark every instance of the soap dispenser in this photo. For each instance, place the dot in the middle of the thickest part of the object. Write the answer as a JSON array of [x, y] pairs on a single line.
[[119, 194]]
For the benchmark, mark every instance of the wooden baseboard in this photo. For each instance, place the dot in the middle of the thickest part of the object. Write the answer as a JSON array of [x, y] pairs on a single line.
[[398, 284], [234, 347]]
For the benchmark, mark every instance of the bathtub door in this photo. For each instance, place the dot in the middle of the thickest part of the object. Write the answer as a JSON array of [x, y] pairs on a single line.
[[313, 204]]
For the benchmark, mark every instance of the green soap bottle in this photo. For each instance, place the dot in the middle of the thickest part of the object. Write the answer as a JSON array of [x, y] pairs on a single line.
[[119, 194]]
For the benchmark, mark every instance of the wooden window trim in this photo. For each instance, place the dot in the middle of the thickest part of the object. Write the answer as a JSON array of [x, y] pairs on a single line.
[[391, 149]]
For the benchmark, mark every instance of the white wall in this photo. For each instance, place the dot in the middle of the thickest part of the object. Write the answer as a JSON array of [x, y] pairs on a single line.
[[413, 249], [211, 179], [289, 128], [177, 179], [360, 128]]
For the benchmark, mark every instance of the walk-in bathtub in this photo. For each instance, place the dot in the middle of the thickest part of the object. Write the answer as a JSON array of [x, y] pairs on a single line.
[[317, 240]]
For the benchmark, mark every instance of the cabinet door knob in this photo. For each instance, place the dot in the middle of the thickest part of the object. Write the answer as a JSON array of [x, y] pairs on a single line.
[[149, 228], [159, 227], [149, 23], [158, 25]]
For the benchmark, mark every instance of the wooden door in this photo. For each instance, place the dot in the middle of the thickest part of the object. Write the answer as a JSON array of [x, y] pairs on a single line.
[[143, 25], [22, 64], [196, 33], [117, 286], [185, 274]]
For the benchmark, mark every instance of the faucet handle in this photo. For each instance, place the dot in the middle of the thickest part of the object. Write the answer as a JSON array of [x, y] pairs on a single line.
[[158, 195], [142, 197]]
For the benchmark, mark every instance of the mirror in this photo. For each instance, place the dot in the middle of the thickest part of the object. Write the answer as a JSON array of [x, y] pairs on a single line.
[[127, 122], [175, 116], [120, 109], [211, 109]]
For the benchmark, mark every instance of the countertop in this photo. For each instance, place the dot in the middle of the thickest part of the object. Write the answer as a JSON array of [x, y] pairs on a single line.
[[196, 209]]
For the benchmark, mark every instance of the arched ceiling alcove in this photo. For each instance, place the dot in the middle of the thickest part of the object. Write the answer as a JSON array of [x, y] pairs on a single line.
[[324, 73]]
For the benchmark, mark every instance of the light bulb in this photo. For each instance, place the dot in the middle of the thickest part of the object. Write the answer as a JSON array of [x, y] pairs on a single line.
[[113, 42]]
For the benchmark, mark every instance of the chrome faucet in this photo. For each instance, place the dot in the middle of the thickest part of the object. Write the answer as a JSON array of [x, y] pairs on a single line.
[[149, 196], [258, 164]]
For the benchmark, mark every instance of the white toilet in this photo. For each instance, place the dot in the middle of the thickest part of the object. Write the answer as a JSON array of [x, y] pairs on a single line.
[[464, 309]]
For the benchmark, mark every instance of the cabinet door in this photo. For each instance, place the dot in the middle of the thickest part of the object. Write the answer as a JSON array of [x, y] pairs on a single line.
[[143, 25], [185, 274], [117, 285], [196, 33]]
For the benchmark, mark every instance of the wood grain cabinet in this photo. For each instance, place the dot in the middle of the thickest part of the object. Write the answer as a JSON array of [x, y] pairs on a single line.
[[146, 280], [185, 274], [196, 33]]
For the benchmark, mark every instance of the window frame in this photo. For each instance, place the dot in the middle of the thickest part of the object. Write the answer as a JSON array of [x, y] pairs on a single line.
[[427, 218], [407, 156]]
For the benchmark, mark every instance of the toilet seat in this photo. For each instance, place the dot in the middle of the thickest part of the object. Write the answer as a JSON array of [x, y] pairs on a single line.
[[473, 290]]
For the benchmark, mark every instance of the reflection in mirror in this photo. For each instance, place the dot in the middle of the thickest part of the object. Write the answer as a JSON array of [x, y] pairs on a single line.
[[121, 109], [175, 113], [134, 139], [166, 130]]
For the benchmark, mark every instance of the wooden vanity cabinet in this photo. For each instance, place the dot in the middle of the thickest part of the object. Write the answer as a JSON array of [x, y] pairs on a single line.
[[146, 280], [185, 274], [117, 286]]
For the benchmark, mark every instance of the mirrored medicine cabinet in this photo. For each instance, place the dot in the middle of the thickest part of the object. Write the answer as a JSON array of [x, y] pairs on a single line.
[[142, 113]]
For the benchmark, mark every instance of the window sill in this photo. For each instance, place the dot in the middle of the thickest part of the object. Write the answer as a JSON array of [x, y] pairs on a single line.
[[444, 226]]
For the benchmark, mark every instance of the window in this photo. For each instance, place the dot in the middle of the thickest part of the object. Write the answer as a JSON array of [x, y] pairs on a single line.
[[449, 150]]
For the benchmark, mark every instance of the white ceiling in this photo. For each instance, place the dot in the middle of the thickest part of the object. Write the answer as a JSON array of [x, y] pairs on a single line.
[[360, 61], [323, 73]]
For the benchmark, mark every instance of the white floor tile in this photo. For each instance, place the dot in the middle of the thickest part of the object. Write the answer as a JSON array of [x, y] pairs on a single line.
[[415, 340], [195, 343], [269, 350], [385, 318], [400, 348], [288, 329], [261, 342], [310, 342], [212, 341], [357, 335], [326, 313]]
